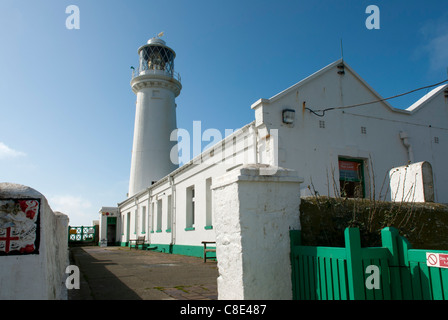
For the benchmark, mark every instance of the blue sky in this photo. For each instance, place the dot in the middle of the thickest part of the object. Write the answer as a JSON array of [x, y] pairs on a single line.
[[67, 109]]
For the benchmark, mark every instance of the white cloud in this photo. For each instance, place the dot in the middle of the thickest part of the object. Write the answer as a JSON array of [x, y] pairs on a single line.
[[438, 52], [435, 34], [7, 152], [79, 210]]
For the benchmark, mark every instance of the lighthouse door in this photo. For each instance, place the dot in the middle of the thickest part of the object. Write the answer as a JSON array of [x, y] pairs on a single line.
[[111, 231]]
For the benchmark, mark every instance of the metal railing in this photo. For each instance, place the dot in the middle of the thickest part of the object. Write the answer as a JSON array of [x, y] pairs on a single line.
[[138, 72], [81, 233]]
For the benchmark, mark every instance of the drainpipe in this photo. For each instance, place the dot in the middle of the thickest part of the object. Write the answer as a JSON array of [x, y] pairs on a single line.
[[255, 143], [173, 210], [149, 215], [405, 139], [136, 212]]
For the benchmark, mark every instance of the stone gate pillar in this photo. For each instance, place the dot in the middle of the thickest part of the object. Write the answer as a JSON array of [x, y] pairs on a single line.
[[33, 246], [254, 209]]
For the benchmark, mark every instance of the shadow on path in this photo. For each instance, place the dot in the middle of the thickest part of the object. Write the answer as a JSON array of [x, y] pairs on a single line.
[[117, 273], [97, 282]]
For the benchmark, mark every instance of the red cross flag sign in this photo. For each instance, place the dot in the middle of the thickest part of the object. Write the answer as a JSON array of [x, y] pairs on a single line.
[[19, 226], [439, 260]]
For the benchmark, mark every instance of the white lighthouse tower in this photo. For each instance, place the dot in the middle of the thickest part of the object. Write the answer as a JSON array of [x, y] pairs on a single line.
[[156, 85]]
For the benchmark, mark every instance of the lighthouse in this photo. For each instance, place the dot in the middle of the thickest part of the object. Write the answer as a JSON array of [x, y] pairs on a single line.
[[156, 86]]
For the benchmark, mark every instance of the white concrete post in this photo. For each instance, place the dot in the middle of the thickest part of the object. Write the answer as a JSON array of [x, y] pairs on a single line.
[[253, 215]]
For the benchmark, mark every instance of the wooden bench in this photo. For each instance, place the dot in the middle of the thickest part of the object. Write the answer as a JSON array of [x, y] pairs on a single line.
[[138, 241], [208, 250]]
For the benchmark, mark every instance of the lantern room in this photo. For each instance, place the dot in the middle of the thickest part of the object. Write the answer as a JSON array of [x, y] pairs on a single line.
[[155, 57]]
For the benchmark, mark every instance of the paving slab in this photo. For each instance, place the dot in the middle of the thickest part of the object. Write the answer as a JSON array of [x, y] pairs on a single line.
[[119, 273]]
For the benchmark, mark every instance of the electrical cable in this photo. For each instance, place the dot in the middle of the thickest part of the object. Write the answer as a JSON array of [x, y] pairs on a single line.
[[371, 102]]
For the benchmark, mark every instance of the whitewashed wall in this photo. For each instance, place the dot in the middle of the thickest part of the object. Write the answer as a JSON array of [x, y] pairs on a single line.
[[254, 214], [42, 275], [235, 150], [381, 136], [412, 183], [312, 144], [104, 213]]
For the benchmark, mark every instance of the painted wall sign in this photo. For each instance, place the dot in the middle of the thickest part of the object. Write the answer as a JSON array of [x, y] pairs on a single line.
[[438, 260], [19, 226], [348, 170]]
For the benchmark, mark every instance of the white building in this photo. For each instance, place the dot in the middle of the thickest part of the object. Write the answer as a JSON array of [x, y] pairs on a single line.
[[345, 151]]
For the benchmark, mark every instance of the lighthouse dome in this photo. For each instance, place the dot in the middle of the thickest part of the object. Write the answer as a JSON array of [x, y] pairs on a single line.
[[156, 41]]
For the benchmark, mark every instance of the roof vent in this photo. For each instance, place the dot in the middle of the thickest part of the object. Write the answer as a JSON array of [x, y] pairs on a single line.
[[341, 68]]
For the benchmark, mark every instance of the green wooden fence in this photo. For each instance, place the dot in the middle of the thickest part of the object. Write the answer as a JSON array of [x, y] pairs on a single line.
[[391, 272]]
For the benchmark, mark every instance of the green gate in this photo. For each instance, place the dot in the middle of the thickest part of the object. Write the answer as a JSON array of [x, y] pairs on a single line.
[[332, 273], [81, 234]]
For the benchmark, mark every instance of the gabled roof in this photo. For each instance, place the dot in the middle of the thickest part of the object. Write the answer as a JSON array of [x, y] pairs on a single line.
[[315, 75], [304, 81], [426, 98]]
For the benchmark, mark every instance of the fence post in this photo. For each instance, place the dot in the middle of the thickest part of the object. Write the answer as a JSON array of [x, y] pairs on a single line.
[[389, 237], [399, 277], [295, 238], [355, 272]]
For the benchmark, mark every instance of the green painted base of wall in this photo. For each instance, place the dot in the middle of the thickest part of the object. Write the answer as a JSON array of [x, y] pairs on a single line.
[[115, 244], [193, 251], [126, 244]]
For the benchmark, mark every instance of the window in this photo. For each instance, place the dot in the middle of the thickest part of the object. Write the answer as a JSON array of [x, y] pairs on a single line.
[[128, 226], [123, 225], [152, 217], [135, 221], [169, 214], [159, 215], [190, 206], [208, 204], [143, 219], [351, 178]]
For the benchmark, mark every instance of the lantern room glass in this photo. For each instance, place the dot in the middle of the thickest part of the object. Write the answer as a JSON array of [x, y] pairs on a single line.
[[157, 58]]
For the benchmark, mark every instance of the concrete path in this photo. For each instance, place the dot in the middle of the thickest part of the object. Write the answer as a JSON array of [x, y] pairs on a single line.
[[118, 273]]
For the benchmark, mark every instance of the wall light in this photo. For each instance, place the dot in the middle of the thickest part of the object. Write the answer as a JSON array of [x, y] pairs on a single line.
[[288, 116]]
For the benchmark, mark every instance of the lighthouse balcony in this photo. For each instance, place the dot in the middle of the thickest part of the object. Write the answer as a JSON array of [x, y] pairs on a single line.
[[155, 72]]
